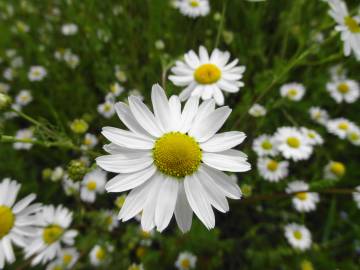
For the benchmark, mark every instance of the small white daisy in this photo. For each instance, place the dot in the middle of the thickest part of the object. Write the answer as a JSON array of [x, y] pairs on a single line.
[[72, 60], [293, 144], [313, 137], [272, 170], [293, 91], [334, 170], [9, 74], [207, 76], [265, 145], [98, 255], [116, 89], [110, 218], [37, 73], [257, 110], [70, 187], [90, 141], [193, 8], [185, 261], [24, 134], [92, 184], [17, 220], [302, 201], [343, 90], [53, 234], [106, 109], [65, 260], [69, 29], [356, 196], [340, 127], [353, 135], [57, 174], [319, 115], [298, 236], [23, 98]]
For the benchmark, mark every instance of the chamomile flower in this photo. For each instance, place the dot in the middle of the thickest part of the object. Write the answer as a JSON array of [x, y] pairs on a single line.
[[257, 110], [69, 29], [17, 220], [193, 8], [172, 161], [292, 144], [265, 145], [185, 261], [24, 135], [71, 59], [293, 91], [353, 135], [272, 170], [319, 115], [348, 27], [110, 219], [57, 174], [313, 137], [356, 196], [339, 127], [9, 74], [343, 90], [70, 187], [302, 201], [37, 73], [65, 260], [298, 236], [106, 109], [24, 98], [98, 255], [334, 170], [135, 266], [90, 141], [207, 76], [92, 184], [53, 234], [116, 89]]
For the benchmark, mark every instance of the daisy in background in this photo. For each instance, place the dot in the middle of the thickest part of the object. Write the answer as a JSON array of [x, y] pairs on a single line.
[[193, 8], [257, 110], [69, 29], [116, 89], [298, 236], [292, 144], [90, 141], [65, 260], [18, 220], [135, 266], [348, 27], [185, 261], [272, 170], [70, 187], [343, 90], [37, 73], [302, 201], [353, 135], [23, 98], [314, 138], [334, 170], [356, 196], [110, 220], [340, 127], [338, 72], [293, 91], [265, 145], [99, 255], [92, 184], [207, 76], [172, 160], [106, 109], [319, 115], [53, 234], [24, 135]]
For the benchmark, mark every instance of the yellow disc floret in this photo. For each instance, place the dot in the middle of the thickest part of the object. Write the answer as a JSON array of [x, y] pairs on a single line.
[[343, 126], [293, 142], [91, 185], [292, 92], [207, 74], [7, 220], [272, 165], [302, 196], [337, 168], [267, 145], [100, 254], [352, 24], [297, 235], [177, 154], [52, 233], [194, 3], [343, 88], [185, 263]]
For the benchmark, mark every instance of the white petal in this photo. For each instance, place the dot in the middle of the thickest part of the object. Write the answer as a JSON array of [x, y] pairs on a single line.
[[183, 211], [229, 160], [188, 114], [223, 141], [113, 148], [8, 250], [218, 96], [22, 204], [161, 107], [204, 55], [175, 108]]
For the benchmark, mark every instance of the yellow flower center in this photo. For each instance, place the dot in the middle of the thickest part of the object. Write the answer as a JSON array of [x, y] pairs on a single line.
[[337, 168], [266, 145], [207, 74], [292, 92], [91, 185], [185, 263], [343, 126], [352, 24], [311, 135], [307, 265], [272, 165], [177, 154], [297, 235], [107, 108], [353, 136], [87, 141], [302, 196], [194, 3], [7, 220], [58, 267], [100, 254], [343, 88], [293, 142], [120, 201], [67, 258], [145, 234], [52, 234], [140, 252]]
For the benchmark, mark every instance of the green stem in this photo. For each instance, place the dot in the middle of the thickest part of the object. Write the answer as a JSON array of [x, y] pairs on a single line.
[[221, 24]]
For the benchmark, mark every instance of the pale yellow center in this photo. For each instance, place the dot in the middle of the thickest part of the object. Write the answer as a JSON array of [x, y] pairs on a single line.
[[100, 254], [302, 196], [297, 235], [343, 88], [343, 126], [7, 220], [67, 258], [107, 107], [352, 24], [52, 234], [272, 165], [91, 185], [207, 74], [185, 263], [337, 168], [177, 154], [292, 93], [353, 136], [293, 142], [194, 3], [311, 135], [266, 145]]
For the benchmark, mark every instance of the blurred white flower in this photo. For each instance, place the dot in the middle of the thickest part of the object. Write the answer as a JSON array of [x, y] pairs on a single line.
[[23, 134], [92, 184], [293, 91], [272, 170], [265, 145], [4, 87], [298, 236], [343, 90], [69, 29], [186, 261], [257, 110], [37, 73], [23, 98], [356, 196], [334, 170], [106, 109], [340, 127], [193, 8], [302, 201], [70, 187], [313, 137], [98, 255], [319, 115], [116, 89]]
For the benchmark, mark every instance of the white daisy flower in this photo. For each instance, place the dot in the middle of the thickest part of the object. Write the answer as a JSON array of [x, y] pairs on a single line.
[[17, 220], [334, 170], [207, 76], [293, 91], [116, 89], [53, 234], [111, 221], [340, 127], [293, 144], [69, 29], [135, 266], [92, 184], [313, 137], [185, 261], [319, 115], [348, 27], [23, 98], [90, 141], [338, 73], [37, 73], [172, 161], [106, 109], [298, 236], [98, 255], [4, 87], [72, 60], [272, 170], [356, 196], [193, 8], [257, 110], [353, 135], [24, 134], [9, 74], [265, 145], [17, 62], [302, 201], [66, 260], [57, 174], [70, 187], [343, 90]]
